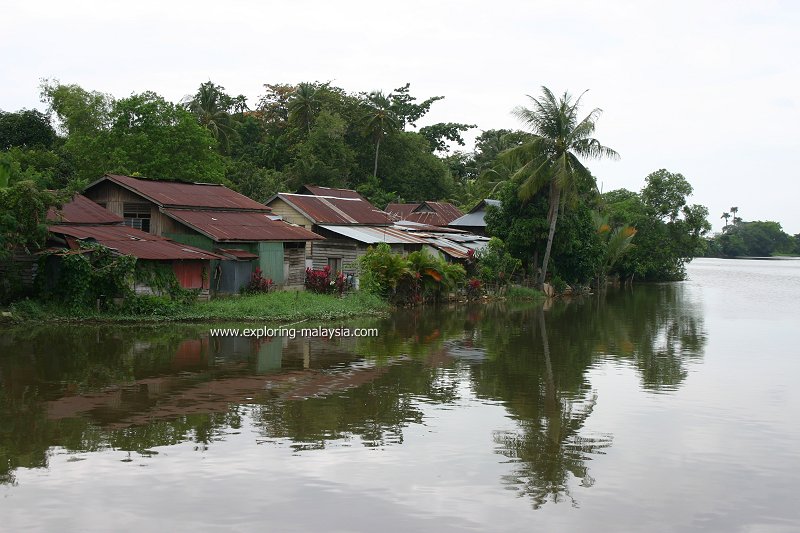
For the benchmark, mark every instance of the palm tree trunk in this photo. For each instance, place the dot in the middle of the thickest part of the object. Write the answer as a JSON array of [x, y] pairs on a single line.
[[377, 149], [555, 199]]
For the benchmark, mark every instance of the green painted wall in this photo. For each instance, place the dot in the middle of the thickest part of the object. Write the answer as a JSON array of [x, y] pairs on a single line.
[[270, 259]]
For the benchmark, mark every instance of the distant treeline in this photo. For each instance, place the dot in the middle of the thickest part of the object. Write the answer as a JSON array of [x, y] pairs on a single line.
[[373, 142]]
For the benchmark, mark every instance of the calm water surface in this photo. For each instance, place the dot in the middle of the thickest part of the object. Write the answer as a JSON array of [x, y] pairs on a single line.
[[658, 408]]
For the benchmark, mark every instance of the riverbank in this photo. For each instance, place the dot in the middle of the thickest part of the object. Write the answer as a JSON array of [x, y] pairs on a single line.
[[273, 307]]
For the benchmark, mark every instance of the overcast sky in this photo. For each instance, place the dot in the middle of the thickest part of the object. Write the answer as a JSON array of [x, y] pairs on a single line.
[[708, 89]]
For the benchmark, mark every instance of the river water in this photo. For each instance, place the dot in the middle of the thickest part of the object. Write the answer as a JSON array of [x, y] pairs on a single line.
[[670, 407]]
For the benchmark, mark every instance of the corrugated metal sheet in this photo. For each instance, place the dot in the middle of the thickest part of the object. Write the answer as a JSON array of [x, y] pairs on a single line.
[[416, 226], [176, 193], [332, 210], [401, 210], [316, 190], [375, 234], [237, 253], [431, 213], [81, 210], [130, 241], [470, 220], [240, 226]]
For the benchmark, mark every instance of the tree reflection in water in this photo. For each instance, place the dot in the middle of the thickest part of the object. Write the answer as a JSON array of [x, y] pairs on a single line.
[[104, 388], [538, 364]]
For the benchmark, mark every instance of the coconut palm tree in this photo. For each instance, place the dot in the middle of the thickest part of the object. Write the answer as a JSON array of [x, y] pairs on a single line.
[[210, 105], [736, 220], [303, 105], [726, 216], [552, 157], [380, 120]]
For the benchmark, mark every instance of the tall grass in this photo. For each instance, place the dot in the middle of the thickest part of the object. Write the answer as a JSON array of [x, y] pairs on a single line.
[[518, 292], [277, 306]]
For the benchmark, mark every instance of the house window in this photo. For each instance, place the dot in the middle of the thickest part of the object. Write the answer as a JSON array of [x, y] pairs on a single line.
[[137, 216], [335, 263]]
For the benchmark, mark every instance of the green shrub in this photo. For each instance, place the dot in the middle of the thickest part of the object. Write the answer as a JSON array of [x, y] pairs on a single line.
[[408, 280], [146, 305], [518, 292]]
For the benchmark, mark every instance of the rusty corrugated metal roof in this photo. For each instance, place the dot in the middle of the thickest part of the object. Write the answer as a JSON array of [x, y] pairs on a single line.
[[240, 225], [182, 194], [131, 241], [238, 253], [334, 210], [316, 190], [401, 211], [428, 212], [81, 210]]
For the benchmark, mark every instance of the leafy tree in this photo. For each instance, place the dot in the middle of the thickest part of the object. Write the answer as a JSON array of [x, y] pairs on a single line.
[[665, 193], [664, 241], [438, 134], [79, 111], [255, 182], [23, 217], [141, 134], [404, 108], [755, 239], [411, 170], [26, 129], [523, 227], [552, 156], [324, 158]]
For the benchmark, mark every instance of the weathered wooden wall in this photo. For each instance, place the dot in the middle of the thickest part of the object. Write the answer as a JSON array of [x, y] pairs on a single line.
[[295, 258], [291, 215]]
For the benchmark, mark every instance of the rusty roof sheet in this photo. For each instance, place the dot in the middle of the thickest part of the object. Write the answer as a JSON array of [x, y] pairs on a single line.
[[333, 210], [81, 210], [238, 253], [130, 241], [240, 226], [316, 190], [428, 212], [182, 194], [401, 211]]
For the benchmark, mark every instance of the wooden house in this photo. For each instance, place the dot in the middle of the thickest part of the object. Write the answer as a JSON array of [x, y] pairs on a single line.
[[81, 220], [475, 221], [349, 223], [213, 218]]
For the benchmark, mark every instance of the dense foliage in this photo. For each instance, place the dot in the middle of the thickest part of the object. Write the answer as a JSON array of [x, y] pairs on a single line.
[[753, 239], [669, 232], [415, 278], [325, 281]]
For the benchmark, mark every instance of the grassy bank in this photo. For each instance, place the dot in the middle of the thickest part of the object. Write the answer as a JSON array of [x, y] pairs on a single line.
[[276, 306], [518, 292]]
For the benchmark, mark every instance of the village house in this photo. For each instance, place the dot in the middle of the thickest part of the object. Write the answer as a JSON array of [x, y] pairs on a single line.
[[475, 221], [213, 218], [349, 223], [430, 213], [81, 220]]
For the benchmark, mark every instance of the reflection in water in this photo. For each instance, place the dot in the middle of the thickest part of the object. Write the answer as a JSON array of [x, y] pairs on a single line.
[[135, 389]]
